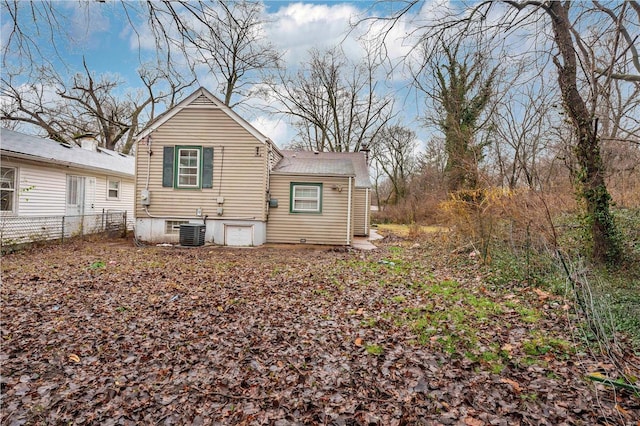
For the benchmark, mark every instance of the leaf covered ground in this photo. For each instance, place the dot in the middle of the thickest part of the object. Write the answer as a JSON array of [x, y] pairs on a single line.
[[104, 332]]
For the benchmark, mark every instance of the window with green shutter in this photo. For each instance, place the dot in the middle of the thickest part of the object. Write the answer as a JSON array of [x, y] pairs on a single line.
[[187, 167]]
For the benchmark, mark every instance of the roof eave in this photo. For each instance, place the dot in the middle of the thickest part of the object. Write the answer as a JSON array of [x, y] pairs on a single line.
[[35, 158], [313, 174]]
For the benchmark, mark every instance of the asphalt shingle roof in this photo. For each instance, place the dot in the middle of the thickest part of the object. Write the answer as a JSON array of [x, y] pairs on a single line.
[[310, 162], [315, 166], [50, 151]]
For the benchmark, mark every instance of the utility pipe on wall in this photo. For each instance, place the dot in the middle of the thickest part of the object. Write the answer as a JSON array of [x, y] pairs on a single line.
[[349, 214]]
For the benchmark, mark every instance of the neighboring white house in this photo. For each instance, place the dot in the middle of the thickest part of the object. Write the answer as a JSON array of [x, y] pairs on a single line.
[[44, 178]]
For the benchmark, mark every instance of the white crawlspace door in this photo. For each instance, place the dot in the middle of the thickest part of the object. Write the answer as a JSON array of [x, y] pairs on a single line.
[[238, 235]]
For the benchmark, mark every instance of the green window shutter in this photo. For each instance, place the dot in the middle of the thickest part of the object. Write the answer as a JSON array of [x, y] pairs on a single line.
[[207, 167], [167, 166]]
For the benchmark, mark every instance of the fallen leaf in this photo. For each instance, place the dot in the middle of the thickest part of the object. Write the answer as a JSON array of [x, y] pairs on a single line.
[[358, 341], [471, 421], [515, 385], [74, 358], [542, 295], [621, 410]]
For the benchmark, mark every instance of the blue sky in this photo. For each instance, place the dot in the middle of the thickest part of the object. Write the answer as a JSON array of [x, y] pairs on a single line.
[[103, 36]]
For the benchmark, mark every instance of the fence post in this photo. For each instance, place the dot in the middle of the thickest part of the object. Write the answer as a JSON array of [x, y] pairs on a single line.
[[103, 221], [62, 236], [124, 227]]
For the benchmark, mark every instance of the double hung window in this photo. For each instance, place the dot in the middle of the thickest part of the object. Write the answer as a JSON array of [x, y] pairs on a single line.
[[8, 188], [306, 197]]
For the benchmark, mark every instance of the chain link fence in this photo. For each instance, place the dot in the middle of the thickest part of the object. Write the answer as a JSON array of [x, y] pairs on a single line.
[[18, 230]]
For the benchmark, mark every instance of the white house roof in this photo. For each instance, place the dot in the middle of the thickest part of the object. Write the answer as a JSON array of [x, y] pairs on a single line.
[[312, 161], [20, 145]]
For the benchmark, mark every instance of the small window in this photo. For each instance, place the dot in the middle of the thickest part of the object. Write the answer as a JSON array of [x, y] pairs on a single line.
[[113, 189], [306, 198], [173, 226], [188, 167], [8, 186]]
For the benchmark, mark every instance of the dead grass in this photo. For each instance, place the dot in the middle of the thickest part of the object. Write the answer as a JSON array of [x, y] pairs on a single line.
[[405, 230], [407, 334]]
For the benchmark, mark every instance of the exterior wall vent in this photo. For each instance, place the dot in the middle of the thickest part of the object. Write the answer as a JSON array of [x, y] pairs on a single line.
[[192, 234], [202, 100]]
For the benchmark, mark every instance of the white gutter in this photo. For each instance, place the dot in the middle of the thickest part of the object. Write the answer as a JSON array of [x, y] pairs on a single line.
[[349, 214]]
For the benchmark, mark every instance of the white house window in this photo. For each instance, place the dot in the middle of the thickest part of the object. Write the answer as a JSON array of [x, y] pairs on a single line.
[[113, 189], [73, 190], [8, 186], [173, 226], [306, 198], [188, 169]]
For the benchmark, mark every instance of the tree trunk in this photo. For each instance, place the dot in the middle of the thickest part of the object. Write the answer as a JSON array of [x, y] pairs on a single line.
[[590, 180]]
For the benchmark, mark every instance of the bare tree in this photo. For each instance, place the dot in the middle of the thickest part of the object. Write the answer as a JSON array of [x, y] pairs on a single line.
[[567, 31], [522, 124], [336, 105], [225, 37], [223, 40], [87, 103], [394, 156]]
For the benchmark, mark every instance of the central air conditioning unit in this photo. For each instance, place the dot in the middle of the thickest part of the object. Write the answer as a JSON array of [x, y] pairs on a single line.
[[192, 234]]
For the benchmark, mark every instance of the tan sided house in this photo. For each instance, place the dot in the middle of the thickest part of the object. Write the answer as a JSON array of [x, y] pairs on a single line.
[[202, 166]]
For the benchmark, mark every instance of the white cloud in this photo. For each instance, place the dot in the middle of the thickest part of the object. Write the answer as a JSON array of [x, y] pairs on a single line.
[[87, 22], [275, 129], [298, 27]]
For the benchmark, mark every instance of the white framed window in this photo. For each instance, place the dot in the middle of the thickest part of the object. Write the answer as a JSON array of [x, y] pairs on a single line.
[[306, 197], [75, 188], [173, 226], [188, 167], [113, 189], [8, 189]]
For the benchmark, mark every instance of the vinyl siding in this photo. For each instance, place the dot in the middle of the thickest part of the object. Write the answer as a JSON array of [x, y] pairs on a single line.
[[238, 174], [125, 201], [329, 227], [360, 212], [42, 189]]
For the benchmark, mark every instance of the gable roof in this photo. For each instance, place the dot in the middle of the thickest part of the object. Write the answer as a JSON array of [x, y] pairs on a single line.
[[358, 162], [203, 98], [20, 145]]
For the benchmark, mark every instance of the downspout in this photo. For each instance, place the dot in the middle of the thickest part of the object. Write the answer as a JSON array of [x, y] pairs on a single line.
[[349, 215], [146, 185], [366, 211], [268, 188]]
